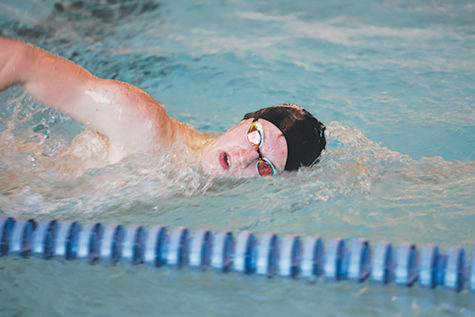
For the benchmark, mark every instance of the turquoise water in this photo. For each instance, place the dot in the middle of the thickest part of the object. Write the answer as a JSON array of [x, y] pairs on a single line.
[[393, 81]]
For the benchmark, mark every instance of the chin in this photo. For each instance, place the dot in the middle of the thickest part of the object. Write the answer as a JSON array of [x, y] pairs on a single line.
[[212, 169], [218, 171]]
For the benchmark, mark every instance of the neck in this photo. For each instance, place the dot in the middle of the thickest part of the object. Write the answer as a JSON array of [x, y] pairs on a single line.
[[194, 139]]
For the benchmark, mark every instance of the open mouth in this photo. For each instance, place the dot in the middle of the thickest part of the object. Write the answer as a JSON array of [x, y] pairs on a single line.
[[225, 160]]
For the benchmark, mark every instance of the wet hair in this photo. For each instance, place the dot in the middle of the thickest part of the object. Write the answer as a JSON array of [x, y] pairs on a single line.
[[305, 135]]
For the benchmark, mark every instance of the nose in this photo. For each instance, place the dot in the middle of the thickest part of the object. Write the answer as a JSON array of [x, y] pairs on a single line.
[[246, 157]]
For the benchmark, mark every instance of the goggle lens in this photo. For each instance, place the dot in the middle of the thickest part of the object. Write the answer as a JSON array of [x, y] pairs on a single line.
[[264, 168], [254, 136]]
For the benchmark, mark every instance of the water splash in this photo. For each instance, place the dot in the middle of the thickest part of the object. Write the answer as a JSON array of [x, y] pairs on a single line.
[[36, 180]]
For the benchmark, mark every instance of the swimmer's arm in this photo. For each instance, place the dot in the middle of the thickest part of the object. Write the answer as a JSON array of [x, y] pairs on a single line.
[[128, 116]]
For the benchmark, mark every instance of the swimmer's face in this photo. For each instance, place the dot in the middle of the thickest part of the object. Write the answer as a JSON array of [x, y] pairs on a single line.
[[231, 154]]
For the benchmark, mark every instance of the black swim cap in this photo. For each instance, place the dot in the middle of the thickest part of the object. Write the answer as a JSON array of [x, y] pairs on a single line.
[[305, 135]]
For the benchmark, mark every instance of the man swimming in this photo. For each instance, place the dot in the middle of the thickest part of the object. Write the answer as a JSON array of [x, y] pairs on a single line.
[[265, 142]]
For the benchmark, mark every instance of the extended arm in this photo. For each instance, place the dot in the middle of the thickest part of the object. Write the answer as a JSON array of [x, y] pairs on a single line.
[[129, 117]]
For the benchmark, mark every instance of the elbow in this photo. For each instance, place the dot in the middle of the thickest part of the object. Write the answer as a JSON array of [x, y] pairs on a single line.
[[13, 57]]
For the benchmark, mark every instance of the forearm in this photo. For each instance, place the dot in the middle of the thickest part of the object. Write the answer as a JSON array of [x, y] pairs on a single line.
[[49, 78], [52, 80]]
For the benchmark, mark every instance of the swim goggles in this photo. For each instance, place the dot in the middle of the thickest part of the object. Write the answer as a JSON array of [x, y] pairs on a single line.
[[255, 136]]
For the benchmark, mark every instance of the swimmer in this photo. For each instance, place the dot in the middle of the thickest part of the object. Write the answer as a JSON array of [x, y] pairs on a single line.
[[266, 142]]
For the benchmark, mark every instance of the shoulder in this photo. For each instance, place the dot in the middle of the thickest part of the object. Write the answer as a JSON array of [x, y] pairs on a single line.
[[130, 118]]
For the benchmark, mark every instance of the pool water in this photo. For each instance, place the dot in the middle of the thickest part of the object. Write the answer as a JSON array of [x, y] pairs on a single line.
[[392, 80]]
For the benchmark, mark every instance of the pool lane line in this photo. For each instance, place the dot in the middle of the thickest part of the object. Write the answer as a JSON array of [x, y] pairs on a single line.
[[270, 255]]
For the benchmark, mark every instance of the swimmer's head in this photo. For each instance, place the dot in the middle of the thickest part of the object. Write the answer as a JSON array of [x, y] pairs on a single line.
[[305, 135], [290, 137]]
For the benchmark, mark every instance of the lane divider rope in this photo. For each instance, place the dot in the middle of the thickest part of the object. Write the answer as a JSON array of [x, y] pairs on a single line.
[[270, 255]]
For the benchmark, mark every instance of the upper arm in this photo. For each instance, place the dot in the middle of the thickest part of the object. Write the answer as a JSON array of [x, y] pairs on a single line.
[[128, 116]]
